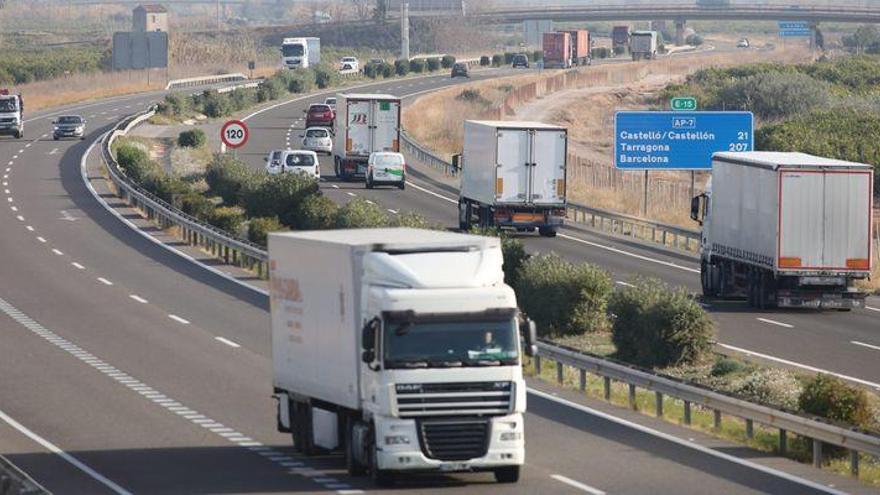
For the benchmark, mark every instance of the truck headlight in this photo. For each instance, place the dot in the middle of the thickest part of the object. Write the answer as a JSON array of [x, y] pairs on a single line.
[[396, 440]]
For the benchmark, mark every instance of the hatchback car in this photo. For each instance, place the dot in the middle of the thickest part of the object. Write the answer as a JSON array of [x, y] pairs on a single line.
[[317, 139], [330, 101], [69, 126], [293, 161], [319, 114], [460, 70], [385, 167]]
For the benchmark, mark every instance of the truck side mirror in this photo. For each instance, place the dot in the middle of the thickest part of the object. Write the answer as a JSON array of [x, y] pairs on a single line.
[[697, 208], [530, 337], [456, 161]]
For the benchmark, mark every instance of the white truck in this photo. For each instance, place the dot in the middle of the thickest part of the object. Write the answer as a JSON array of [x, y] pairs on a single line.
[[300, 53], [513, 175], [399, 347], [643, 45], [11, 114], [785, 229], [364, 123]]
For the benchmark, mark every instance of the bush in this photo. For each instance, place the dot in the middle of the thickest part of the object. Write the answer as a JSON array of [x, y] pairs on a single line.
[[537, 55], [775, 95], [433, 64], [196, 205], [515, 256], [371, 70], [417, 65], [359, 214], [563, 298], [259, 229], [218, 105], [619, 50], [177, 104], [727, 366], [227, 218], [271, 89], [388, 70], [166, 188], [326, 76], [135, 162], [830, 397], [771, 387], [447, 61], [401, 67], [600, 52], [241, 98], [694, 40], [654, 325], [317, 212], [230, 178], [409, 219], [497, 60], [508, 57], [485, 61], [194, 138], [279, 196], [301, 81]]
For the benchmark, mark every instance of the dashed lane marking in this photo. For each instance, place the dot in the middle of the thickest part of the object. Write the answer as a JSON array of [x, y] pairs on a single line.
[[57, 251], [138, 298], [862, 344], [351, 194], [78, 266], [41, 239], [178, 319], [577, 484], [227, 342], [104, 281], [774, 322]]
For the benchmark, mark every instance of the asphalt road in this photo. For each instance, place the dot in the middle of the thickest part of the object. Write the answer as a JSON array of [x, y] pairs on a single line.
[[129, 369]]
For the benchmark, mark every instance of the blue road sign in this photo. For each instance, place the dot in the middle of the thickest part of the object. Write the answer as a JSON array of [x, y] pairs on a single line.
[[678, 140], [795, 33], [793, 25]]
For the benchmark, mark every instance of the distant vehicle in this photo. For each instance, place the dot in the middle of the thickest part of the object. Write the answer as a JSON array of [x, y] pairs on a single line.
[[785, 229], [581, 44], [643, 45], [300, 53], [498, 191], [386, 167], [619, 39], [367, 123], [11, 114], [520, 60], [293, 161], [317, 139], [69, 126], [460, 70], [319, 114], [557, 51], [330, 101], [743, 43], [350, 63]]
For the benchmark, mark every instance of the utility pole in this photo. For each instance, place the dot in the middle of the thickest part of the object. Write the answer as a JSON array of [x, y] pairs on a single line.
[[404, 30], [218, 15]]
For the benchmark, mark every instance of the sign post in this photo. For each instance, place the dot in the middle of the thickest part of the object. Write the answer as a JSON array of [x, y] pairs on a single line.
[[234, 134]]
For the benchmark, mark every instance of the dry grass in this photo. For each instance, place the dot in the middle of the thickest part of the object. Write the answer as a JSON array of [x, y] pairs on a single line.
[[84, 87], [631, 204]]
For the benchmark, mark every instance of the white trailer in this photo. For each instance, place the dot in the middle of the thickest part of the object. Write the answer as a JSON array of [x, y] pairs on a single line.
[[786, 229], [364, 123], [643, 44], [399, 347], [300, 53], [513, 175]]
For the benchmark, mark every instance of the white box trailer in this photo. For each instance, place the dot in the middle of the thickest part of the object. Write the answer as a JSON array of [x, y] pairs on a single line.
[[364, 123], [513, 175], [386, 343], [786, 228]]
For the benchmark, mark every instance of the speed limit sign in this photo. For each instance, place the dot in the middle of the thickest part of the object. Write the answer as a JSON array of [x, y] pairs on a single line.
[[234, 134]]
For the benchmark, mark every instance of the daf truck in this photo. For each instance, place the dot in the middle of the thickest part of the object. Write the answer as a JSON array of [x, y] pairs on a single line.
[[300, 53], [400, 347], [364, 123], [513, 176], [643, 45], [785, 229], [11, 114]]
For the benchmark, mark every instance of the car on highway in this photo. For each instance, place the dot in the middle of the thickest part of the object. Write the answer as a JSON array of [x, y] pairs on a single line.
[[317, 139], [319, 114], [386, 167], [460, 70], [293, 161], [349, 63], [520, 60], [69, 126], [330, 101], [742, 43]]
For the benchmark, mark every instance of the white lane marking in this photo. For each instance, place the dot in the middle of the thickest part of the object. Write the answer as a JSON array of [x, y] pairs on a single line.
[[577, 484], [227, 342], [51, 447], [104, 281], [21, 150], [801, 366], [14, 157], [393, 212], [28, 145], [20, 218], [178, 319], [13, 208], [30, 228], [9, 199], [432, 193], [683, 442], [370, 202], [6, 191], [627, 253], [41, 239], [869, 346], [78, 266], [334, 186], [58, 252], [774, 322], [351, 194], [624, 284], [871, 308], [138, 298]]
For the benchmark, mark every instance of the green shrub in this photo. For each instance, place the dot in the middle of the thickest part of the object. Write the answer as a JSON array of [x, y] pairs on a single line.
[[317, 212], [497, 60], [230, 178], [417, 65], [515, 256], [177, 104], [727, 366], [227, 218], [279, 196], [259, 229], [409, 219], [271, 89], [371, 70], [215, 105], [447, 62], [20, 66], [472, 96], [359, 214], [599, 52], [165, 187], [563, 298], [388, 70], [326, 76], [196, 205], [508, 57], [433, 64], [136, 163], [300, 82], [401, 67], [694, 40], [769, 386], [537, 55], [830, 397], [775, 95], [241, 98], [193, 138], [485, 61], [654, 325], [619, 50]]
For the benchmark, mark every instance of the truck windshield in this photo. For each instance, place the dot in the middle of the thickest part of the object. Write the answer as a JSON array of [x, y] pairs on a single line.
[[438, 344], [8, 105], [295, 50]]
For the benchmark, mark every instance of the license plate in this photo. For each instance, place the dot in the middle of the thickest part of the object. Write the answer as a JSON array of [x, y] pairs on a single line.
[[454, 466]]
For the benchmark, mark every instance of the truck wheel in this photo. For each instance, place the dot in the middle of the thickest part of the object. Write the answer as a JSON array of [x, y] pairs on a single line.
[[507, 474], [402, 185], [352, 465], [369, 182], [302, 439], [19, 135], [547, 231], [464, 216]]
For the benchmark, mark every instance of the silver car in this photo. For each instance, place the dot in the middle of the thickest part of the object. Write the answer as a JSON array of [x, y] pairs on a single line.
[[317, 139], [69, 126]]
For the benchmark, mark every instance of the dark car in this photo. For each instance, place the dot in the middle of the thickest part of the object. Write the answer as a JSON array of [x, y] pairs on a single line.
[[520, 60], [460, 70], [319, 114], [69, 126]]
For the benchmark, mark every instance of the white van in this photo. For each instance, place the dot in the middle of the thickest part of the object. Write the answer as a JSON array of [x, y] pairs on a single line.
[[386, 167], [293, 161]]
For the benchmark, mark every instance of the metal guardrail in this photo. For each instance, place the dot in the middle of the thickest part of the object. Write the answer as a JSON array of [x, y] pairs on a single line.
[[14, 481], [201, 81], [819, 431]]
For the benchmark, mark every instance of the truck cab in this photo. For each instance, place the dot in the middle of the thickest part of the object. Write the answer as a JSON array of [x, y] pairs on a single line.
[[11, 114]]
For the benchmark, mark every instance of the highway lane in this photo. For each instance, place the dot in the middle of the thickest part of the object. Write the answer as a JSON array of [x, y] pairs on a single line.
[[95, 373], [841, 343]]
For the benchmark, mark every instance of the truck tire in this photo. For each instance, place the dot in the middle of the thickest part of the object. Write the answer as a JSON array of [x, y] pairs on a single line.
[[369, 182], [352, 465], [547, 231], [464, 215], [302, 429], [402, 185], [19, 134], [508, 474]]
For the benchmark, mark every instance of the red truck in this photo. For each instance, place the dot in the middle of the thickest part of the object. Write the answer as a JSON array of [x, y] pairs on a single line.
[[557, 51], [619, 39], [580, 47]]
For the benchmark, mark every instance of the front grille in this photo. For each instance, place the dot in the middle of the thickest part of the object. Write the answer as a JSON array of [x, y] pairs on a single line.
[[454, 439], [454, 399]]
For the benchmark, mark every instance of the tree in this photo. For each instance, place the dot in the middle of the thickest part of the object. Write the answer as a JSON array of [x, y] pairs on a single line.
[[363, 8]]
